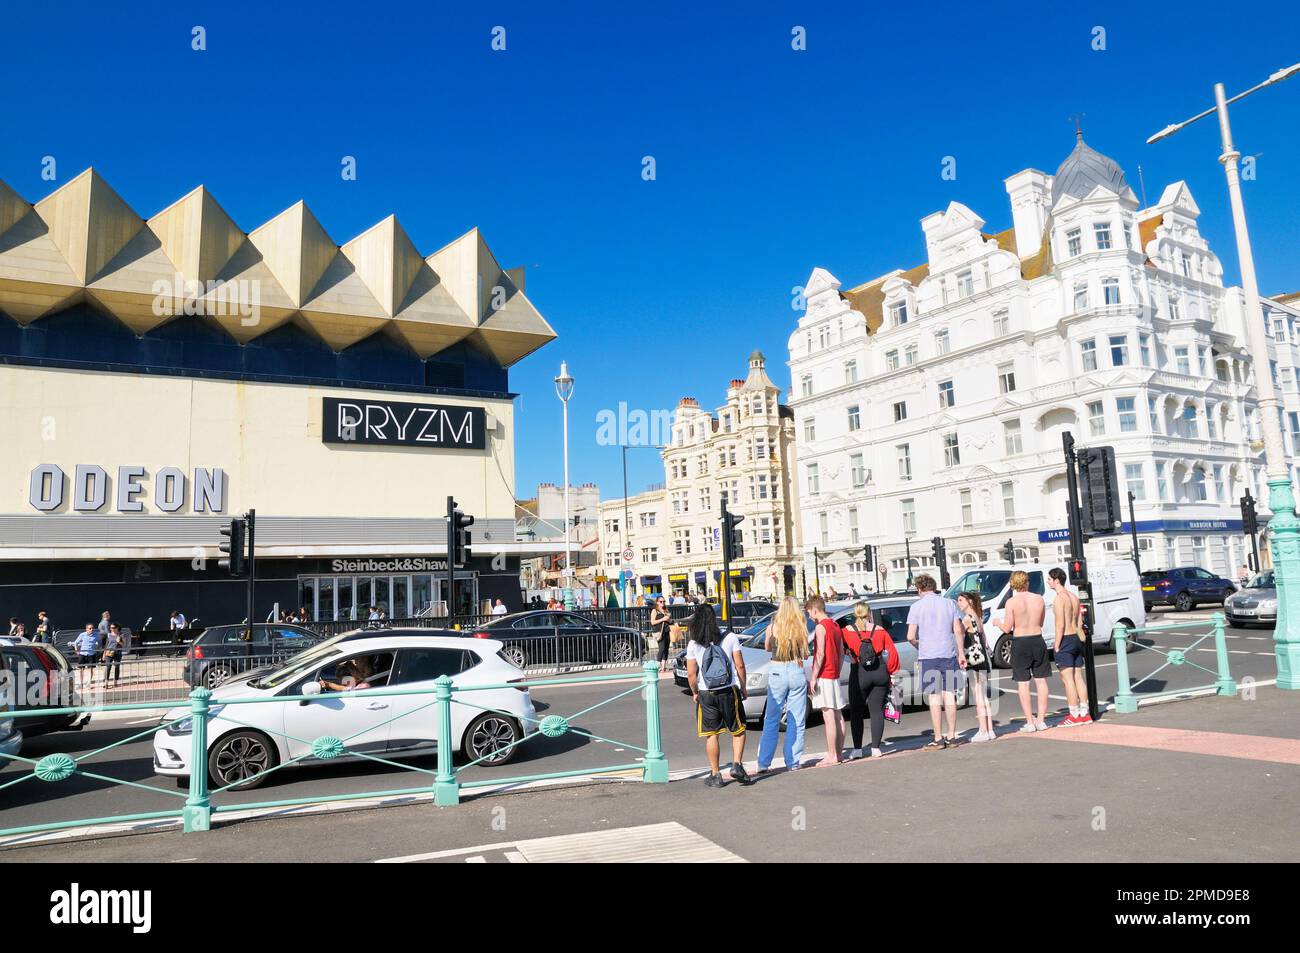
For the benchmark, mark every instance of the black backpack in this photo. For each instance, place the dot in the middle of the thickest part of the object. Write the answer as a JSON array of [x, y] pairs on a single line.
[[868, 657]]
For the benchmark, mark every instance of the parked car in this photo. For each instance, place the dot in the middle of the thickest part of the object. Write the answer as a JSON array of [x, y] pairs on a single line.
[[744, 614], [548, 637], [1116, 592], [1184, 588], [11, 738], [1256, 604], [42, 679], [221, 652], [252, 739]]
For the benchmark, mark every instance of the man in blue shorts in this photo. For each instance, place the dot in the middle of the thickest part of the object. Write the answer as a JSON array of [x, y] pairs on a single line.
[[934, 627], [1068, 648]]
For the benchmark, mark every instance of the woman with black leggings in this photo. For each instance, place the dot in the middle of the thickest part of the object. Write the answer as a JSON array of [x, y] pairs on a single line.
[[659, 619], [871, 652]]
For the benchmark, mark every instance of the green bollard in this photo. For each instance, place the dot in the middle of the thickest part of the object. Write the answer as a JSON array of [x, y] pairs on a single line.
[[1224, 685], [656, 765], [1125, 700], [1284, 547], [197, 814], [446, 789]]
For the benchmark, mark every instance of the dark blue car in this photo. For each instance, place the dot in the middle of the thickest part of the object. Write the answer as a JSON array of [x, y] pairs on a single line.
[[1184, 588]]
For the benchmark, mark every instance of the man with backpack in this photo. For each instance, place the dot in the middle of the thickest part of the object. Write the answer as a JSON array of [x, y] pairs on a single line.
[[715, 671]]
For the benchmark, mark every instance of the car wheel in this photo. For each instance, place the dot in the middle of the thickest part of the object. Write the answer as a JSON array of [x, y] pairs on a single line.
[[240, 760], [1147, 608], [515, 655], [1183, 601], [1002, 652], [492, 739], [621, 651], [1228, 594], [216, 675]]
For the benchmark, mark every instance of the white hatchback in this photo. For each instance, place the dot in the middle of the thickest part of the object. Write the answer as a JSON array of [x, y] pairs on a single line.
[[245, 741]]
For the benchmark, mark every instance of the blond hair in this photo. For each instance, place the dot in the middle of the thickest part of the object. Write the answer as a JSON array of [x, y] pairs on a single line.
[[790, 632], [862, 618], [1020, 580]]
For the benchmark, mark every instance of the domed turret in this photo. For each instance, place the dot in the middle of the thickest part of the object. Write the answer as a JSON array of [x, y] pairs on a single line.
[[1083, 170]]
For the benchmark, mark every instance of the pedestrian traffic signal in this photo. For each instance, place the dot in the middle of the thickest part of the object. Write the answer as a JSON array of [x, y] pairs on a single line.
[[232, 546], [1078, 571], [1249, 520], [1009, 552], [460, 537], [1099, 491], [733, 540]]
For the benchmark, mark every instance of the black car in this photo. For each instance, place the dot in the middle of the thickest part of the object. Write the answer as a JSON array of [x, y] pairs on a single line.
[[222, 651], [42, 679], [556, 637], [744, 614], [1184, 588]]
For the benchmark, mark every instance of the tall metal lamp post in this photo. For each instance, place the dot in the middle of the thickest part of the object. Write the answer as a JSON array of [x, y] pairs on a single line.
[[1284, 527], [564, 390]]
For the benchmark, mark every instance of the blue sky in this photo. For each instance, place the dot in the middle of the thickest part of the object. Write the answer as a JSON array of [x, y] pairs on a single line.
[[768, 161]]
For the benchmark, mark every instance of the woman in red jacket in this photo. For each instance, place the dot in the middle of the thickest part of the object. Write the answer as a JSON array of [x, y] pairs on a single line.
[[873, 659]]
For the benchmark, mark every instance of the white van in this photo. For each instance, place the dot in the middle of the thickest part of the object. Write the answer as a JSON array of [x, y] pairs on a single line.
[[1116, 592]]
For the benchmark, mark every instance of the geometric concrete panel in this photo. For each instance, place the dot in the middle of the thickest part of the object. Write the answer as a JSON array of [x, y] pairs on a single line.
[[197, 235], [386, 262], [88, 222], [296, 249]]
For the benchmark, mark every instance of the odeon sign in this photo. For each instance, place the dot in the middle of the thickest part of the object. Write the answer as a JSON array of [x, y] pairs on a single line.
[[172, 489]]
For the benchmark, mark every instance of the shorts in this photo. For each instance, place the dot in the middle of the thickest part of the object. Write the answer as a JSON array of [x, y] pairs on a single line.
[[830, 695], [719, 711], [87, 659], [1070, 654], [1029, 657], [940, 675]]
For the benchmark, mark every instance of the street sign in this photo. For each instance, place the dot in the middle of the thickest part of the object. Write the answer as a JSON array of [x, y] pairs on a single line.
[[628, 554]]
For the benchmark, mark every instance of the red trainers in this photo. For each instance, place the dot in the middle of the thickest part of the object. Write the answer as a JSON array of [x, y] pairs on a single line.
[[1084, 719]]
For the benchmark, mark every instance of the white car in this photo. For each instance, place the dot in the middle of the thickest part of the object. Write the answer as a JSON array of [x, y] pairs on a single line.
[[245, 741]]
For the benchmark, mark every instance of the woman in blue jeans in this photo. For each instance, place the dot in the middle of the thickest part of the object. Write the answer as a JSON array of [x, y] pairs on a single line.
[[787, 685]]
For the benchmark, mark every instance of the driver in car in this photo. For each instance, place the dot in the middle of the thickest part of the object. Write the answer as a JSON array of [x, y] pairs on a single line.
[[353, 675]]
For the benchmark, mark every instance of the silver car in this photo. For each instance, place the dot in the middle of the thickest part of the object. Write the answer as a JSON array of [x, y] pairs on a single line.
[[1256, 604]]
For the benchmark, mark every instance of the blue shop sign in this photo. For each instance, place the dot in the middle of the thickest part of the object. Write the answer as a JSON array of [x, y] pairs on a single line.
[[1159, 526]]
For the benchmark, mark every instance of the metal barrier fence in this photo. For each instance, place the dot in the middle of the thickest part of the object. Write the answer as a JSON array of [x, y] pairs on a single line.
[[444, 783], [1176, 657]]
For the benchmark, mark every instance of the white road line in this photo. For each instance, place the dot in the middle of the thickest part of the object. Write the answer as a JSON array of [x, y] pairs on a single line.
[[650, 843], [515, 857], [476, 860]]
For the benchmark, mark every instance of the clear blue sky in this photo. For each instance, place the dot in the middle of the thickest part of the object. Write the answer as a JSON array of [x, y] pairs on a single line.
[[769, 161]]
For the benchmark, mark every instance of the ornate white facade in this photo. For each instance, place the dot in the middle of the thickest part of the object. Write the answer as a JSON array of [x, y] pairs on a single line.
[[932, 401]]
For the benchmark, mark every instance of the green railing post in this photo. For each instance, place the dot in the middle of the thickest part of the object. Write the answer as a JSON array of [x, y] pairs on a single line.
[[1224, 685], [446, 789], [197, 815], [1125, 700], [656, 765]]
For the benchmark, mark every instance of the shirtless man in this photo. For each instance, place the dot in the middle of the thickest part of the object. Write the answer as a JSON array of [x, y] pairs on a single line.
[[1024, 619], [1068, 648]]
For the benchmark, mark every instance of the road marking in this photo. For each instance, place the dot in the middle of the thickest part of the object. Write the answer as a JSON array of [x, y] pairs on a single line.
[[476, 860], [515, 857], [1219, 743]]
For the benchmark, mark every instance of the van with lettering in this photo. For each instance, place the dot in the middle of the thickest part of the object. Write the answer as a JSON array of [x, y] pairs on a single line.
[[1116, 593]]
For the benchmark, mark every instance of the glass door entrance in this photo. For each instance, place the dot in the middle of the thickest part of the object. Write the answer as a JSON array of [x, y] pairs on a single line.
[[398, 596]]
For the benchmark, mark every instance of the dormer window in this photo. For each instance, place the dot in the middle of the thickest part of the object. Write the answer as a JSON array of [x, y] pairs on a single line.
[[898, 313], [1073, 243], [1101, 231]]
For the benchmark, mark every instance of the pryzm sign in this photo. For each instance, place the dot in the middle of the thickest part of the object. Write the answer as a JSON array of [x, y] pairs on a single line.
[[396, 424], [389, 565], [90, 488]]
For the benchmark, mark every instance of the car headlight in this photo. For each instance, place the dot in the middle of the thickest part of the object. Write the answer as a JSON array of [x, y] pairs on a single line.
[[1269, 605], [755, 681], [186, 725]]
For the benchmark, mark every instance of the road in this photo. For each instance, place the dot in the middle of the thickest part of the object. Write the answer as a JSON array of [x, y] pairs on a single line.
[[124, 748]]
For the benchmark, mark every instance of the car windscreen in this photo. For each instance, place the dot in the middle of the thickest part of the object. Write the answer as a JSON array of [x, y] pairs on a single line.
[[300, 663], [988, 582], [1263, 580]]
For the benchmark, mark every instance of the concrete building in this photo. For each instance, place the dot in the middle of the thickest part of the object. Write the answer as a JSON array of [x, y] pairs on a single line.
[[640, 524], [161, 376], [932, 400], [742, 456]]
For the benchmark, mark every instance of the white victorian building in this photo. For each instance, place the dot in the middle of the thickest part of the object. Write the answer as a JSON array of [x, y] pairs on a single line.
[[932, 401]]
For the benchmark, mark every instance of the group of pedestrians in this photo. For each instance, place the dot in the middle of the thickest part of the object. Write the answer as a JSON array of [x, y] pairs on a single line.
[[951, 650], [104, 643]]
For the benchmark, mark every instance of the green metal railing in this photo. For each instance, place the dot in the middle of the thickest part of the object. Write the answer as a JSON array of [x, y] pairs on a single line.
[[198, 808], [1126, 700]]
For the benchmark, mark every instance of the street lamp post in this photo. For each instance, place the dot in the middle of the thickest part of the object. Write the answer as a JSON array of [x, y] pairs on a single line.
[[564, 390], [1284, 527]]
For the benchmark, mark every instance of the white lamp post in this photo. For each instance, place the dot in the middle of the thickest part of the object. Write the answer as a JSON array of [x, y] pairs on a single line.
[[564, 390], [1284, 527]]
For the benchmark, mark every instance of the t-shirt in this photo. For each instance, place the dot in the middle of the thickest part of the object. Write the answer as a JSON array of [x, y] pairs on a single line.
[[730, 644], [499, 610], [833, 646], [933, 616]]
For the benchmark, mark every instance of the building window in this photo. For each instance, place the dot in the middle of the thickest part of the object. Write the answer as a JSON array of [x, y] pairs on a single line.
[[855, 418], [1118, 350], [900, 411], [814, 479], [941, 343], [1144, 349], [951, 450], [1101, 231], [650, 554], [911, 354], [1081, 296], [857, 472], [1096, 418], [706, 503], [805, 385], [965, 285], [1128, 418], [898, 313], [1006, 378], [853, 526], [904, 453], [947, 395], [1210, 430], [1089, 351], [907, 509], [1186, 261], [1001, 323], [1198, 485], [891, 360], [967, 509], [1011, 433], [850, 372], [1220, 493], [1110, 291], [1182, 359], [1136, 481], [810, 429], [1073, 243], [823, 526], [1009, 500], [1175, 309], [1153, 408], [1162, 485]]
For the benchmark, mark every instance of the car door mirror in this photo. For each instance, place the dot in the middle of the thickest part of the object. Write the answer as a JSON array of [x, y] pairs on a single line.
[[310, 688]]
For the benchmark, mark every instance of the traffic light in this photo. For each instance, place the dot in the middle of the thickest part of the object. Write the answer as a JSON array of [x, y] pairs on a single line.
[[232, 546], [869, 557], [1009, 552], [733, 540], [460, 537], [1099, 491], [936, 543], [1078, 573], [1249, 521]]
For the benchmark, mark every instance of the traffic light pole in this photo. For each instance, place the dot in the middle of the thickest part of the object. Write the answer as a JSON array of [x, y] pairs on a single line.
[[1133, 528], [451, 556], [252, 563], [726, 566], [817, 572], [1076, 552], [907, 548]]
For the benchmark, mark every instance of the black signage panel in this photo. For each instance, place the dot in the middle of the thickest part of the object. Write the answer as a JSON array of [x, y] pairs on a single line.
[[401, 424]]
